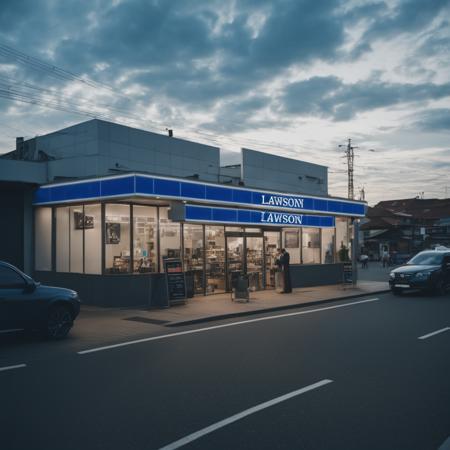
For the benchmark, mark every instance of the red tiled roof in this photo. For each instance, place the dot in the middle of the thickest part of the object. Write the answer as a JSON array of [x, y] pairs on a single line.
[[415, 207]]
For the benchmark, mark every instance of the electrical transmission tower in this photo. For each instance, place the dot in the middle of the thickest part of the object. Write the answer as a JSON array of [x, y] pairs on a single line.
[[350, 154]]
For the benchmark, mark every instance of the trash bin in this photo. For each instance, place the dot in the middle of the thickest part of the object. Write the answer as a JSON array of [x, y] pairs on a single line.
[[234, 275], [240, 291]]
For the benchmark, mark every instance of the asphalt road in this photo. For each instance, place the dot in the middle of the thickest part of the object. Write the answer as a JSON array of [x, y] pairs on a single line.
[[353, 377]]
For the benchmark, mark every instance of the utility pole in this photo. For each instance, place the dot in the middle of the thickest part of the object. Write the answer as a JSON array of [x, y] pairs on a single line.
[[350, 154]]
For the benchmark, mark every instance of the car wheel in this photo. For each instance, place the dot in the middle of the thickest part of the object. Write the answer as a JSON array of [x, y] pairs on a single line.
[[59, 322], [396, 291]]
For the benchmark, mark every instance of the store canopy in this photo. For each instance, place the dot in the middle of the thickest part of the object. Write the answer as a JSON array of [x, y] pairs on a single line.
[[140, 185]]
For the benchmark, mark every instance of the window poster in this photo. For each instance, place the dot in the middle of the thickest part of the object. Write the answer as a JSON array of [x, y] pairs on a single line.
[[82, 221], [112, 233], [291, 239]]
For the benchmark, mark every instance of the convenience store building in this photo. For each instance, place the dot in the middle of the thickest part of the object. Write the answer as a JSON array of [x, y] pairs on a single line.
[[107, 224]]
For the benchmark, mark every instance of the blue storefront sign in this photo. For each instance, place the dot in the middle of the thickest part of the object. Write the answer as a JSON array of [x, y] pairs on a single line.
[[204, 214], [169, 188]]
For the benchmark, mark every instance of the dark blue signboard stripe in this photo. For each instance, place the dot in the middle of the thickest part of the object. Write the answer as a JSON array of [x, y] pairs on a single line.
[[183, 190], [76, 191], [145, 186], [167, 188], [191, 190], [247, 217], [117, 186]]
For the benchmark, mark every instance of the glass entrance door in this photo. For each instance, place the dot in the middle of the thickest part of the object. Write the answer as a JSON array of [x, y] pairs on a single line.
[[254, 262], [235, 258], [245, 255], [215, 259], [272, 244]]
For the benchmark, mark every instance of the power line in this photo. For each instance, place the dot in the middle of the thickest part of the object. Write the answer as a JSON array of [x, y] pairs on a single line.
[[22, 91], [50, 69], [65, 75], [33, 92]]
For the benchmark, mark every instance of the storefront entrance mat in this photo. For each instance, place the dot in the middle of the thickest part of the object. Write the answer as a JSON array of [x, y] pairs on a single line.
[[147, 320]]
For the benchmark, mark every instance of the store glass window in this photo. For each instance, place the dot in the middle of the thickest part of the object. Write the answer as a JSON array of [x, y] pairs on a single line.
[[62, 239], [117, 238], [169, 237], [215, 259], [92, 226], [145, 232], [342, 240], [328, 245], [76, 219], [43, 239], [311, 245], [194, 254], [291, 242]]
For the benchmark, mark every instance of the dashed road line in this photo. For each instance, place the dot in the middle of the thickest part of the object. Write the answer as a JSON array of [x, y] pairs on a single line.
[[445, 445], [426, 336], [11, 330], [17, 366], [229, 420]]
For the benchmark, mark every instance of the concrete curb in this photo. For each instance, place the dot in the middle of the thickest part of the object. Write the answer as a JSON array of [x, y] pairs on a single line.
[[182, 323]]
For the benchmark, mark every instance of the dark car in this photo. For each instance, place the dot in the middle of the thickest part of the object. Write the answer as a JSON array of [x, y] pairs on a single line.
[[428, 270], [26, 304]]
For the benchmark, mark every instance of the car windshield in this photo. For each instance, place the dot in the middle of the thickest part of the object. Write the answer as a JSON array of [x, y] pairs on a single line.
[[427, 259]]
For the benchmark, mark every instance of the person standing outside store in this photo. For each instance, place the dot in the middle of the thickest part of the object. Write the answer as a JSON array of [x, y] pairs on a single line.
[[385, 258], [284, 260], [364, 261], [279, 281]]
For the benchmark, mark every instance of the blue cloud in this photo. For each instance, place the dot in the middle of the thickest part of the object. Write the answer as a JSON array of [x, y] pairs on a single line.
[[433, 120], [329, 97], [202, 54], [408, 16]]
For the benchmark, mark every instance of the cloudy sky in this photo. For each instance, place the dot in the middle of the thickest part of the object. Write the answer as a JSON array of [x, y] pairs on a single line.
[[290, 77]]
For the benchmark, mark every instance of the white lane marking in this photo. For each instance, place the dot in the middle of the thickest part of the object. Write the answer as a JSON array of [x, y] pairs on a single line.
[[233, 324], [445, 445], [11, 330], [426, 336], [241, 415], [17, 366]]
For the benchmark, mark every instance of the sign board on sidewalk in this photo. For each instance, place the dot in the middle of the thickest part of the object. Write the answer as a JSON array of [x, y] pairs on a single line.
[[348, 273], [176, 281]]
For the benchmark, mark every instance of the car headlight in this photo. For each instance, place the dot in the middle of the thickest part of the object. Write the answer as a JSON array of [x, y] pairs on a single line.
[[392, 275], [423, 275]]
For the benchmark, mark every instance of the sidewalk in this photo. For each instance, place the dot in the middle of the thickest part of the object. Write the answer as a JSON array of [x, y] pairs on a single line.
[[205, 309], [96, 325]]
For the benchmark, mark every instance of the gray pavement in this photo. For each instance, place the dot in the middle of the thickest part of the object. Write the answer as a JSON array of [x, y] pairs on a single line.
[[388, 389]]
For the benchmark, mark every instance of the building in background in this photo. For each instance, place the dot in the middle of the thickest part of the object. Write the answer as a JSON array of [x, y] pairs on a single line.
[[404, 227], [99, 207], [266, 171]]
